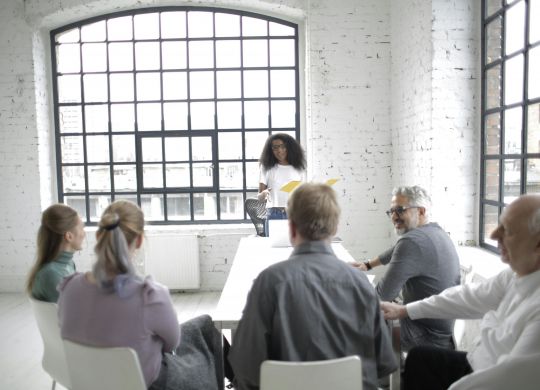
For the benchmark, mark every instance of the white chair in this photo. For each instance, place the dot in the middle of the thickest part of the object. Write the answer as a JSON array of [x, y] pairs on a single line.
[[93, 368], [54, 358], [336, 374]]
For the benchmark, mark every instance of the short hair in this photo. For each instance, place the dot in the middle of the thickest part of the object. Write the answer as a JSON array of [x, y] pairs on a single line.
[[534, 222], [314, 210], [417, 195]]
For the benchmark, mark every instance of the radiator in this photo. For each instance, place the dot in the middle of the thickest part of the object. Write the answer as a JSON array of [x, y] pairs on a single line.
[[173, 260]]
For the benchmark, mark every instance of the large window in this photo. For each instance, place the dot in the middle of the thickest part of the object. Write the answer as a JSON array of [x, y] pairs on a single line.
[[510, 107], [170, 108]]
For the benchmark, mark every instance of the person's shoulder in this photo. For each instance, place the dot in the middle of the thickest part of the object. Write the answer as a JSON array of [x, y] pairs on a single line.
[[69, 279], [153, 291]]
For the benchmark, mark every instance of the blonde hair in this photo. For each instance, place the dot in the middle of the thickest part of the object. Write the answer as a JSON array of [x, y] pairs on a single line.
[[120, 226], [314, 210], [56, 221]]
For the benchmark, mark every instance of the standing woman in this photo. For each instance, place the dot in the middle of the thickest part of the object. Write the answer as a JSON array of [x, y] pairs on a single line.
[[282, 160], [61, 234], [111, 306]]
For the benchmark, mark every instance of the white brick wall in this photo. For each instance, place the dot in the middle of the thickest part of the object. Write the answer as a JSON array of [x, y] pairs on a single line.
[[381, 106]]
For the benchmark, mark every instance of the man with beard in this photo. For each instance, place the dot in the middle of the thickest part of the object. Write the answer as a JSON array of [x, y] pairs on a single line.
[[422, 263]]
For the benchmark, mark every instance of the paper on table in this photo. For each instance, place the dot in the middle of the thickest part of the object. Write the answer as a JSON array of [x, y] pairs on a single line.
[[290, 186]]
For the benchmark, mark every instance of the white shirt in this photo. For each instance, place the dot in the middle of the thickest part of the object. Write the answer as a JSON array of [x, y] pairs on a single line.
[[275, 178], [510, 310]]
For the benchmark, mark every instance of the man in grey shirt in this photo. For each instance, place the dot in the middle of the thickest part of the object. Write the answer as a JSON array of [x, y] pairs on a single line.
[[312, 306], [423, 262]]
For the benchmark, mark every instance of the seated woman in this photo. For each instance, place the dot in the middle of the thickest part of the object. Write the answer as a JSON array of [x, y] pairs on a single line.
[[61, 234], [112, 306]]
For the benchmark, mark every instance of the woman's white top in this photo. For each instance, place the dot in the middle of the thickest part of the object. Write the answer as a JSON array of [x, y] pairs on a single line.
[[275, 178]]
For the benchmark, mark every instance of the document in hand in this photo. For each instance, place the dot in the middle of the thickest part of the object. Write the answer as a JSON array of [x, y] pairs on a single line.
[[290, 186]]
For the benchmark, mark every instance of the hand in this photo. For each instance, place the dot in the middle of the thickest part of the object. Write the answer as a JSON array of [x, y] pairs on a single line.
[[393, 311], [263, 195], [359, 264]]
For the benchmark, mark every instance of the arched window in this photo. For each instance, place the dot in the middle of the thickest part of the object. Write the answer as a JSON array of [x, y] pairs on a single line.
[[170, 108]]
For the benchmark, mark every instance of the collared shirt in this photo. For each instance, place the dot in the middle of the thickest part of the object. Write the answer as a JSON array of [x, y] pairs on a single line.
[[311, 307], [50, 275], [510, 310]]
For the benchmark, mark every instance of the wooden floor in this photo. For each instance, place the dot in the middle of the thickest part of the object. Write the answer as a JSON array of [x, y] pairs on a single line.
[[21, 348]]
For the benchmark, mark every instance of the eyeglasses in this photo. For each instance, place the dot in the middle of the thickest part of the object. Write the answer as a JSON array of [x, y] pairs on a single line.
[[399, 210], [279, 146]]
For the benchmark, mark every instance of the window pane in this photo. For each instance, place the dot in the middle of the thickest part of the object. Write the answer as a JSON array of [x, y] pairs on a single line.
[[255, 83], [95, 87], [178, 207], [491, 190], [148, 86], [201, 148], [512, 180], [70, 119], [533, 128], [228, 54], [493, 133], [177, 175], [174, 55], [125, 178], [513, 80], [152, 175], [202, 115], [282, 52], [94, 57], [99, 178], [176, 149], [282, 83], [200, 24], [68, 36], [97, 118], [534, 75], [68, 58], [255, 143], [122, 89], [151, 149], [98, 204], [230, 146], [97, 148], [228, 84], [255, 52], [227, 25], [149, 116], [533, 176], [146, 26], [152, 207], [491, 220], [94, 32], [201, 54], [174, 85], [252, 175], [72, 149], [283, 113], [229, 115], [147, 55], [493, 40], [201, 85], [175, 116], [119, 29], [256, 114], [120, 56], [514, 28], [122, 117], [254, 27], [232, 205], [123, 148], [230, 175], [173, 25], [493, 87], [534, 25], [205, 206], [203, 175], [78, 203], [69, 89], [512, 130], [73, 179], [280, 29]]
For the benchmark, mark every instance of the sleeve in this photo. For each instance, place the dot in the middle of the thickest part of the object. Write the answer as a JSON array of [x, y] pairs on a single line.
[[386, 256], [160, 316], [386, 361], [469, 301], [252, 338], [49, 282], [263, 176], [402, 267]]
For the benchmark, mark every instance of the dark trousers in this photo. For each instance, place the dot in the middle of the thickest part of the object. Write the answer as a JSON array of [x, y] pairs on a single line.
[[432, 368]]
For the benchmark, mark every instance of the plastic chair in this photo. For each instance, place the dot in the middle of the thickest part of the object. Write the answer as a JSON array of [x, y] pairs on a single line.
[[257, 212], [54, 358], [336, 374], [103, 368]]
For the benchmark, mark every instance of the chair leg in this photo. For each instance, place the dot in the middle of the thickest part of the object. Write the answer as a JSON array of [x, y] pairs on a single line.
[[53, 384]]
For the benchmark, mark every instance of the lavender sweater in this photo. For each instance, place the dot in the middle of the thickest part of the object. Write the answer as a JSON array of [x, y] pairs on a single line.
[[145, 320]]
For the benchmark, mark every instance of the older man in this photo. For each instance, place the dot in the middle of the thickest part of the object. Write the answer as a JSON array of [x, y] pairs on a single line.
[[508, 305], [423, 262], [312, 306]]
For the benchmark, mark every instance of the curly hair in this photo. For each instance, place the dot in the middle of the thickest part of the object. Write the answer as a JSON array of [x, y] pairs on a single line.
[[295, 153]]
